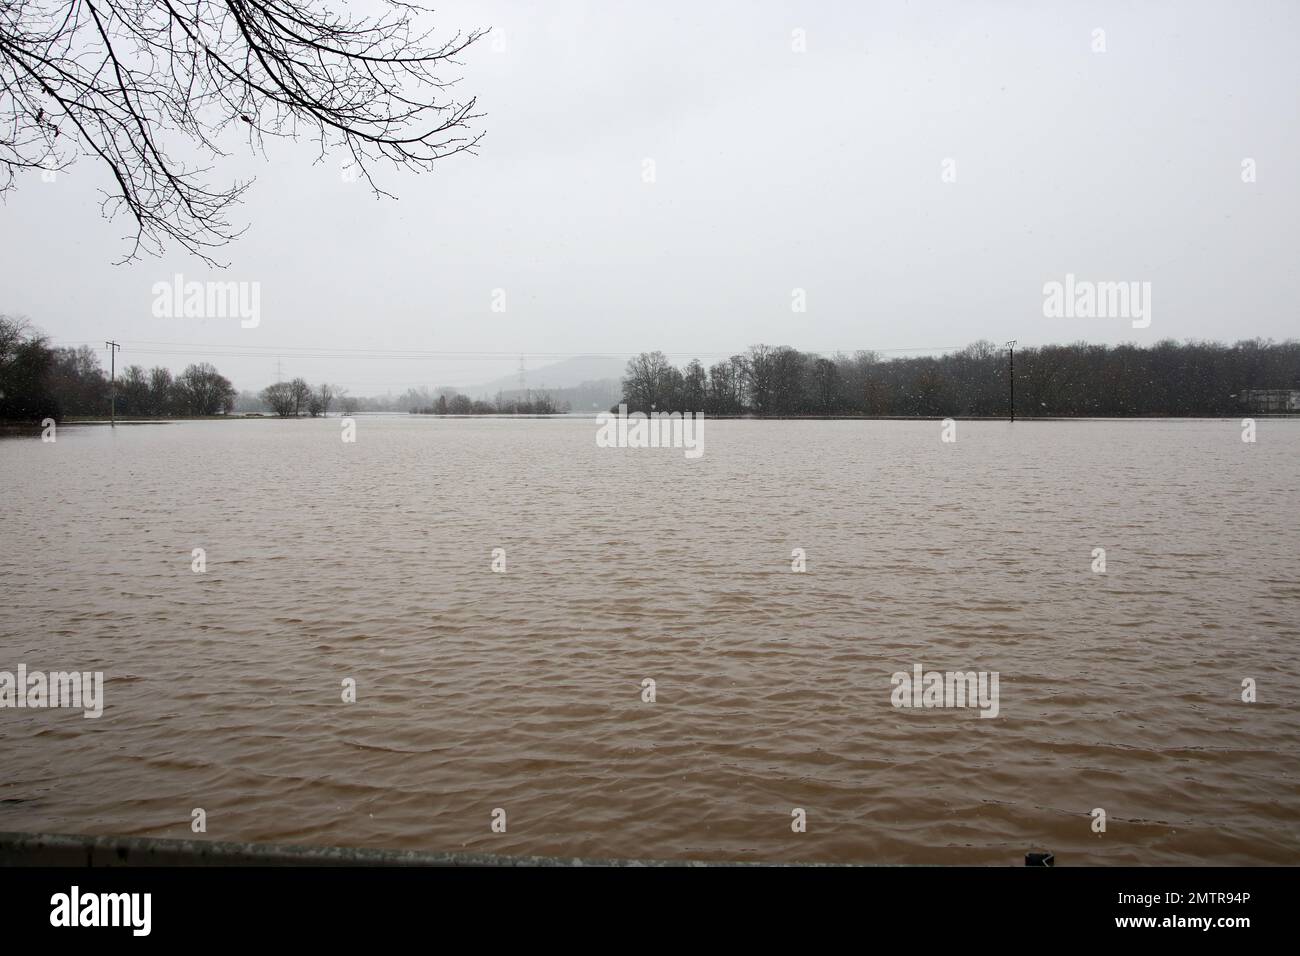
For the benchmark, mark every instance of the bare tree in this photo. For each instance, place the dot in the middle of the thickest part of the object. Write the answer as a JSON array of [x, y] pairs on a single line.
[[301, 393], [825, 386], [205, 391], [694, 386], [161, 389], [647, 382], [133, 391], [760, 377], [25, 360], [280, 397], [325, 395], [117, 80]]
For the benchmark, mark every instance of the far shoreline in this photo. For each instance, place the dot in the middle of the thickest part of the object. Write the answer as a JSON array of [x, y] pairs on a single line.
[[12, 428]]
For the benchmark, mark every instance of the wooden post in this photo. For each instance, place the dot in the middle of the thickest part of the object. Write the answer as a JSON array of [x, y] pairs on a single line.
[[1011, 375], [112, 382]]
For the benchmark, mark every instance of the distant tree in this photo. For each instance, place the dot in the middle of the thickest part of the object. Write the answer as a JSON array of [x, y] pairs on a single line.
[[694, 387], [301, 393], [79, 382], [789, 382], [760, 368], [281, 399], [133, 391], [855, 371], [325, 396], [875, 399], [726, 391], [825, 386], [931, 391], [205, 391], [25, 363], [978, 375], [648, 382], [673, 387], [721, 390], [161, 395], [740, 377], [416, 399]]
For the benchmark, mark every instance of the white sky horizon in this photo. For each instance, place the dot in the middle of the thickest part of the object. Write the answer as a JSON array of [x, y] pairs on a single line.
[[775, 170]]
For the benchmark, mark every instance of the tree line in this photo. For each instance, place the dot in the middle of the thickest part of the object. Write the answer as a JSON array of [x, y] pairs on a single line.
[[451, 402], [295, 398], [1166, 379], [38, 381]]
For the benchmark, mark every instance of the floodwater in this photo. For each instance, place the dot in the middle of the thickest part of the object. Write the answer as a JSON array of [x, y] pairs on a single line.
[[478, 690]]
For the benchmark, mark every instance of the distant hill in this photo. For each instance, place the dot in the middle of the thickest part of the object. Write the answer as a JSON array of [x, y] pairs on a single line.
[[596, 396], [584, 373]]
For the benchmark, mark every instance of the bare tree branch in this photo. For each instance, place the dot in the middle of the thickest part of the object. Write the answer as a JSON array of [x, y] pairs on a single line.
[[118, 80]]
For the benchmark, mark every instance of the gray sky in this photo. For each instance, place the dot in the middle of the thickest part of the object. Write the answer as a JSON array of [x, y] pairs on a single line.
[[774, 169]]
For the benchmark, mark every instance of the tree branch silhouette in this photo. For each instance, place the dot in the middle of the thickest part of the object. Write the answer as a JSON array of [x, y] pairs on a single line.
[[126, 81]]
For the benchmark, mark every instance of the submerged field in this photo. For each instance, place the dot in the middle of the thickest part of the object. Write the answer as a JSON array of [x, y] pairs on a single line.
[[521, 688]]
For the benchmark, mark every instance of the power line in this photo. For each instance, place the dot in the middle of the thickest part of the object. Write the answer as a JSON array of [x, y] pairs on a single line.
[[326, 352]]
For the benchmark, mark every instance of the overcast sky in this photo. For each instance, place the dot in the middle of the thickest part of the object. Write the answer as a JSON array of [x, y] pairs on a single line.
[[774, 170]]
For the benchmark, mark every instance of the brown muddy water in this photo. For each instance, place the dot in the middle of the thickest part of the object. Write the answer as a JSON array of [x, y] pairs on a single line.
[[522, 690]]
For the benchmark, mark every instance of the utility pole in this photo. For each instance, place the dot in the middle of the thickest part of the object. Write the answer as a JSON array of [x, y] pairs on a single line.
[[1011, 375], [112, 382]]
